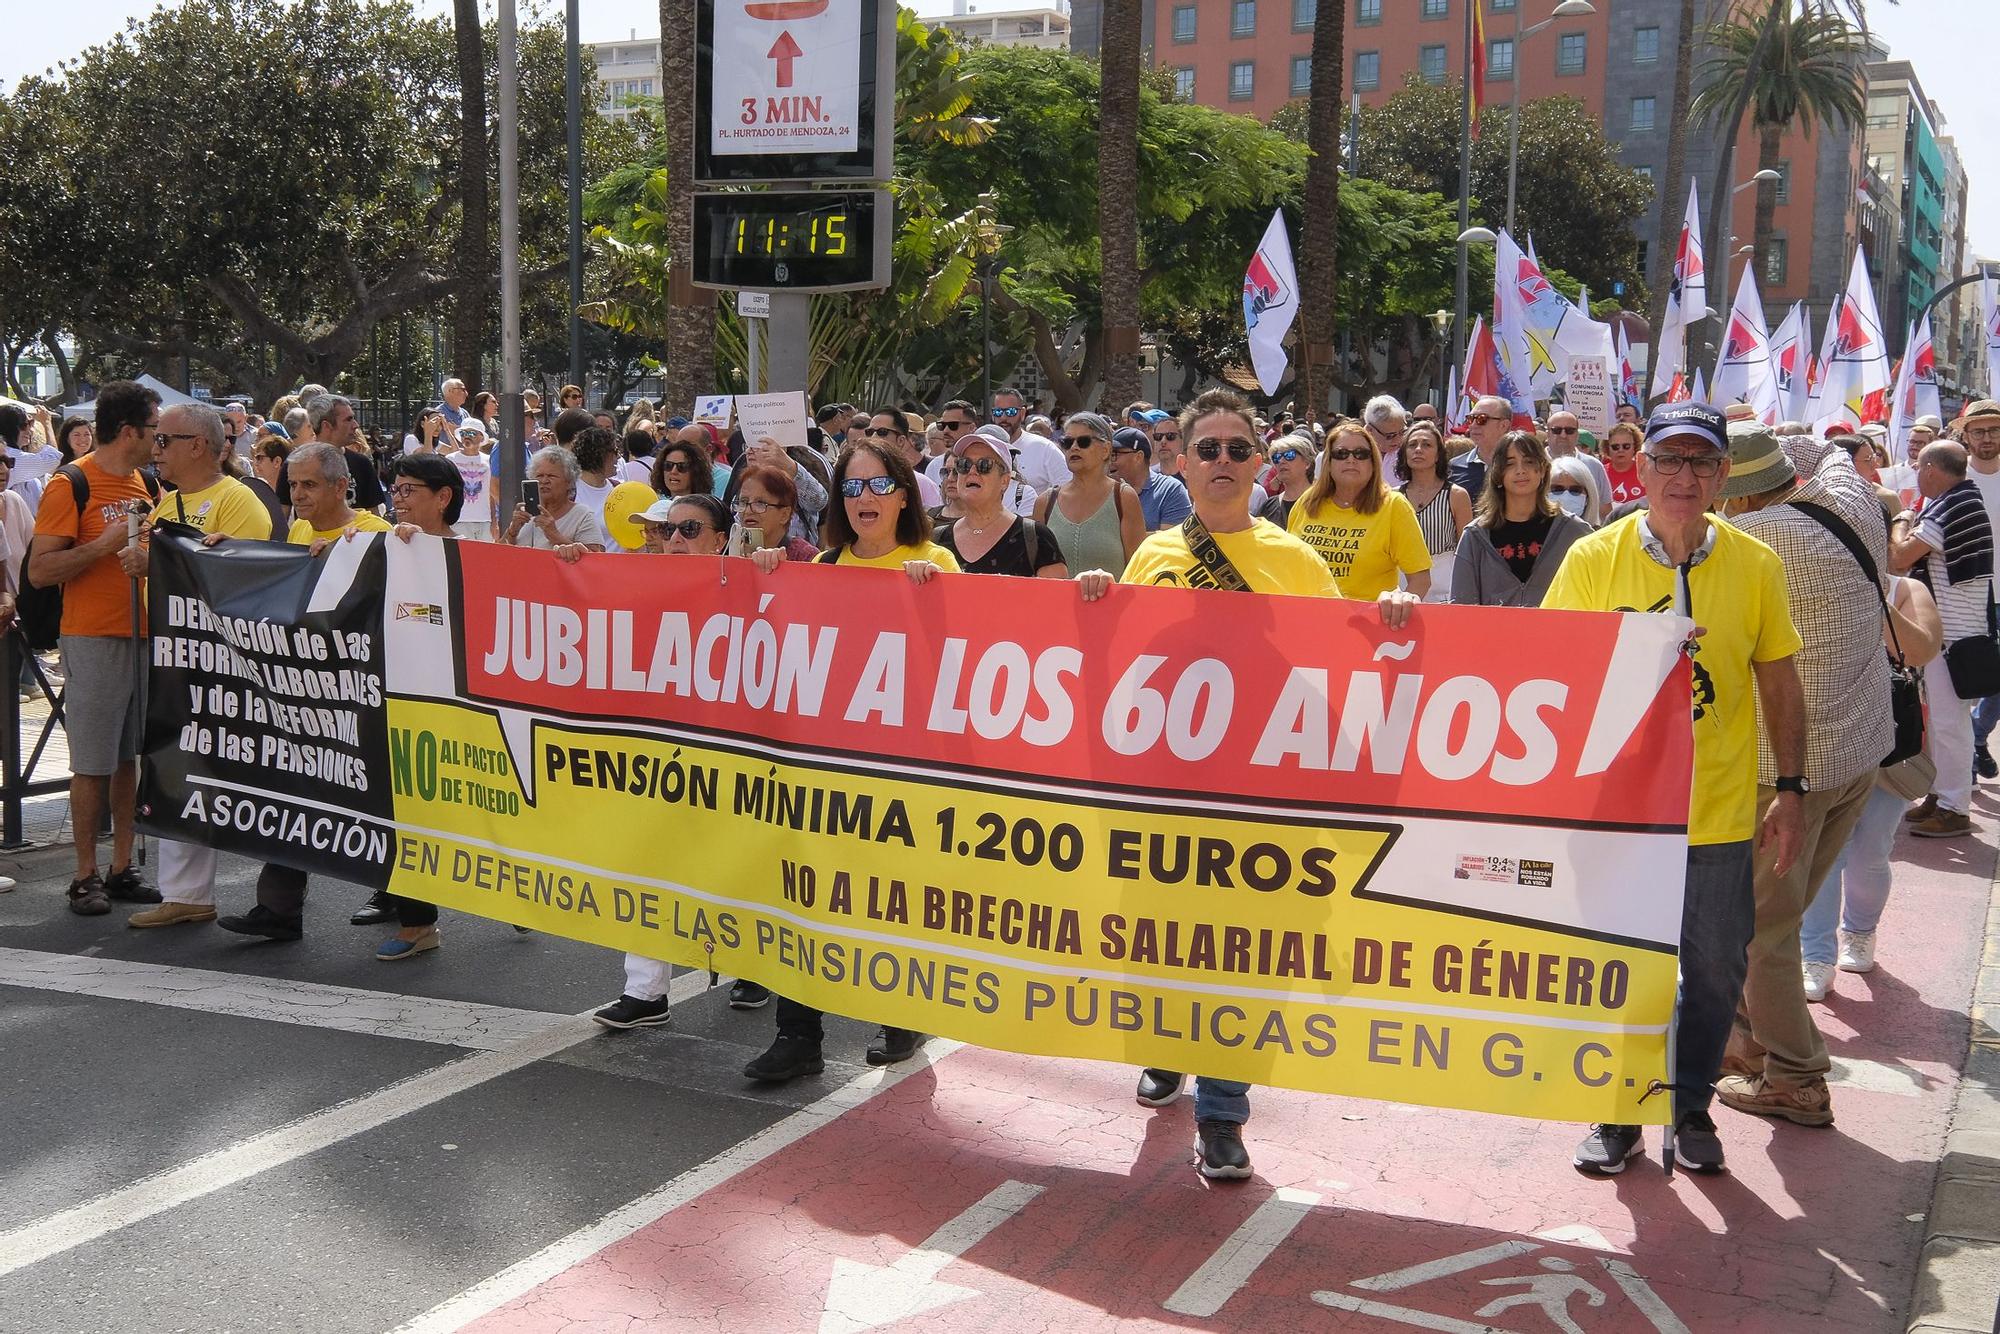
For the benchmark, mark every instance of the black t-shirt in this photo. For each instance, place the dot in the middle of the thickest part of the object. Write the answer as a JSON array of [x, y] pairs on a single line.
[[1010, 554], [1520, 543]]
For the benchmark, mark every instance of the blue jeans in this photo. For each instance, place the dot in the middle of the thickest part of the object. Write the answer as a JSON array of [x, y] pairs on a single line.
[[1718, 918], [1985, 717], [1221, 1100], [1856, 890]]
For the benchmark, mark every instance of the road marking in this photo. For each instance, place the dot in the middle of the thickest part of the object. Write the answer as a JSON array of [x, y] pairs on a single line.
[[313, 1004], [149, 1196], [1224, 1273], [1577, 1234], [524, 1276], [1444, 1324], [864, 1296], [1397, 1279], [1640, 1293], [1882, 1077]]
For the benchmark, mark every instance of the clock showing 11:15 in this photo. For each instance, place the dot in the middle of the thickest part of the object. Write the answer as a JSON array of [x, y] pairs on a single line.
[[818, 232]]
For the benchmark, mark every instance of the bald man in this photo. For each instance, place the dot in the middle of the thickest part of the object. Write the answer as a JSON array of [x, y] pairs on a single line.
[[1490, 419]]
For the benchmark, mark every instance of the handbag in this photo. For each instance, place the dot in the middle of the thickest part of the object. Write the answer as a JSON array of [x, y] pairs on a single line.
[[1906, 683], [1974, 663]]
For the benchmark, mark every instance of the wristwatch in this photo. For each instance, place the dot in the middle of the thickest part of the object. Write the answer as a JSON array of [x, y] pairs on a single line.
[[1790, 783]]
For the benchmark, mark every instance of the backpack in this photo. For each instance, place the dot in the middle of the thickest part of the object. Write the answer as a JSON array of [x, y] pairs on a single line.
[[37, 610]]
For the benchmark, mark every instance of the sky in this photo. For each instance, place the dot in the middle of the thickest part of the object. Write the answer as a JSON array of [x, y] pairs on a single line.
[[1951, 43]]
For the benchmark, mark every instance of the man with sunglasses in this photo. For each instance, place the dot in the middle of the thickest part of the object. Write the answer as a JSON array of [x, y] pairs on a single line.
[[1163, 429], [955, 421], [1488, 422], [1564, 437], [1222, 545], [1385, 419], [891, 427], [1163, 500], [1673, 557], [1037, 461]]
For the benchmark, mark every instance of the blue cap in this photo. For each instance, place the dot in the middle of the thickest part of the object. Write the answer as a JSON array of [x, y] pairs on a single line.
[[277, 429], [1156, 415], [675, 423], [1697, 421]]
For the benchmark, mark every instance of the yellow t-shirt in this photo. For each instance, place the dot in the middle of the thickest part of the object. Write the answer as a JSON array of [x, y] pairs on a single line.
[[1364, 551], [1738, 596], [228, 507], [893, 560], [303, 533], [1269, 559]]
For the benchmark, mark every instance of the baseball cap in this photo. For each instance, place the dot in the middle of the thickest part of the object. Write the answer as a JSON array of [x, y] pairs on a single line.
[[1131, 437], [993, 437], [277, 429], [657, 511], [1695, 421], [1757, 462], [1156, 415]]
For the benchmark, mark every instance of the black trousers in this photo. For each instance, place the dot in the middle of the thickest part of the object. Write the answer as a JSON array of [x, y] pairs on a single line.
[[283, 891]]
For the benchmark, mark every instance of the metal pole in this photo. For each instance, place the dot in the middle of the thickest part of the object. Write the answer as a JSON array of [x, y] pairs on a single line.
[[573, 81], [1513, 117], [509, 463], [985, 336], [1463, 296], [750, 326]]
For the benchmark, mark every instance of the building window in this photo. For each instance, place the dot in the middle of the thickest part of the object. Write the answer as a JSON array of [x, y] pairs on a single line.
[[1184, 23], [1242, 80], [1502, 6], [1646, 46], [1645, 253], [1243, 18], [1642, 115], [1367, 12], [1437, 9], [1785, 182], [1885, 112], [1184, 84], [1367, 71], [1774, 263], [1304, 14], [1646, 171], [1500, 58], [1302, 74], [1430, 63], [1570, 48]]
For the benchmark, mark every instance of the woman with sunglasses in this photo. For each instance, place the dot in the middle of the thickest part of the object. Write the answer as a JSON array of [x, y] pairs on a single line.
[[1513, 548], [681, 468], [1574, 489], [1095, 517], [1422, 468], [1621, 464], [876, 519], [766, 500], [1365, 532], [685, 526], [1291, 472], [985, 536]]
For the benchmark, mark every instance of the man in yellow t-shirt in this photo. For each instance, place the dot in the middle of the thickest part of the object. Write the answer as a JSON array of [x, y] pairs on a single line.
[[1224, 547], [188, 453], [1674, 558]]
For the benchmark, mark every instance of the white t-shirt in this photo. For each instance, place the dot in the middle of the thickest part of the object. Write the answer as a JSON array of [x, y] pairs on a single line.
[[638, 470], [31, 472], [17, 529], [1989, 491], [1039, 462], [476, 472], [592, 498], [577, 524], [411, 444]]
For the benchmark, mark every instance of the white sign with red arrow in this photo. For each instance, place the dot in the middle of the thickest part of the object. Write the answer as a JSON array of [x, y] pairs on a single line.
[[786, 77]]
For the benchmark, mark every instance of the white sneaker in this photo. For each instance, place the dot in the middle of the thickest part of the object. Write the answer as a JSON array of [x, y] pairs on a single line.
[[1857, 951], [1819, 980]]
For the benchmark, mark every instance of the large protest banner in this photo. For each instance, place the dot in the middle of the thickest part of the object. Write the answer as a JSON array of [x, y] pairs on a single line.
[[1254, 837]]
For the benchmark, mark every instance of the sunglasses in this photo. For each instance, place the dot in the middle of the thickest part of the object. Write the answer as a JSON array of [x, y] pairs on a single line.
[[881, 486], [1567, 491], [166, 438], [1208, 451], [676, 465], [954, 426], [1166, 435], [881, 432], [1006, 412], [1348, 452], [687, 528], [1703, 466], [1560, 430], [1479, 419], [1287, 455], [1079, 441], [981, 466]]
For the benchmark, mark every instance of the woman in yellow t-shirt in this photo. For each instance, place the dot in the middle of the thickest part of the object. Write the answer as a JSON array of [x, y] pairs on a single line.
[[878, 520], [1362, 530]]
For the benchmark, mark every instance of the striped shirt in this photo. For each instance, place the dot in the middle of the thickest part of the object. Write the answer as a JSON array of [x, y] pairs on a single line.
[[1959, 572]]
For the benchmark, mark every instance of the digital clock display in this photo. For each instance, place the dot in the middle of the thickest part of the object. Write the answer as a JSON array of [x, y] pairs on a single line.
[[792, 240]]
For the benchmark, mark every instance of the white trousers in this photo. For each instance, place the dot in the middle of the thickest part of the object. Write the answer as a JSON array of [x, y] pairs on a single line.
[[1950, 739], [187, 873], [647, 979]]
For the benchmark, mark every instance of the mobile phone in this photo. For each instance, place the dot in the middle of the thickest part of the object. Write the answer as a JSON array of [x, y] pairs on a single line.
[[531, 496], [743, 541]]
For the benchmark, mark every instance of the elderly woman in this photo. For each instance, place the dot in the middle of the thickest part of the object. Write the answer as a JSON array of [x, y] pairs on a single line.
[[1621, 464], [1094, 517], [766, 501], [984, 535], [1366, 533], [559, 521], [1512, 550], [809, 472], [1291, 458], [1423, 470], [685, 526], [681, 467], [1573, 487]]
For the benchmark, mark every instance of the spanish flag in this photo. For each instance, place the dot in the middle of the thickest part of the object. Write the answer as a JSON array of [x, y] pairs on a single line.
[[1476, 79]]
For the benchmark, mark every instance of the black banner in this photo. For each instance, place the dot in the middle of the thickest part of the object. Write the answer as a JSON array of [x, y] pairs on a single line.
[[266, 732]]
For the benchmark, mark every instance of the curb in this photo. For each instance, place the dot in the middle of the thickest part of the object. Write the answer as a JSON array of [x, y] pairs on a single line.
[[1957, 1285]]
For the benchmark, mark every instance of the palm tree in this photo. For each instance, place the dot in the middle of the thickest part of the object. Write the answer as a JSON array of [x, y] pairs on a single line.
[[690, 310], [1667, 235], [1118, 198], [1318, 272], [475, 259], [1810, 74]]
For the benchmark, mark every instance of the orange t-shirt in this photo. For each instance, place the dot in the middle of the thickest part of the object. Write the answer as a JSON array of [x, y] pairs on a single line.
[[98, 601]]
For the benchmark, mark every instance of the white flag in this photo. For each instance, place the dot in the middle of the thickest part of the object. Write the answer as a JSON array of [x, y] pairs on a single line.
[[1690, 278], [1788, 358], [1669, 349], [1270, 303], [1816, 374], [1916, 392], [1743, 372]]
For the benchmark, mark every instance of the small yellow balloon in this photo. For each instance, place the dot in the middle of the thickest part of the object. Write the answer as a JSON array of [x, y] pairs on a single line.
[[626, 501]]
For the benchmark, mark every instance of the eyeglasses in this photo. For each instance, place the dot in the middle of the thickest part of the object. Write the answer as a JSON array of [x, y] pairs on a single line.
[[1567, 491], [687, 528], [1396, 434], [1006, 412], [1479, 418], [954, 426], [1705, 465], [1287, 455], [1126, 449], [744, 506], [1079, 441], [404, 490], [676, 465], [1339, 455], [1159, 436], [165, 438], [881, 432], [961, 467], [881, 486], [1560, 430], [1208, 451]]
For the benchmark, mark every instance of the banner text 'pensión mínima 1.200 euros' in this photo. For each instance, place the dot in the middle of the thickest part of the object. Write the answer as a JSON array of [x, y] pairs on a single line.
[[1262, 838]]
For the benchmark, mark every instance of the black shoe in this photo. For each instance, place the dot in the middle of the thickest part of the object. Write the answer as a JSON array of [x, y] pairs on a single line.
[[1606, 1148], [631, 1012], [1696, 1145], [86, 897], [126, 887], [788, 1058], [261, 921], [894, 1045], [376, 912], [747, 995], [1219, 1146], [1158, 1088], [1982, 762]]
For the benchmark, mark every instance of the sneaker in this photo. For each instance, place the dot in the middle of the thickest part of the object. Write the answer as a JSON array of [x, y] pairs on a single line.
[[1218, 1147], [1606, 1149], [1819, 981], [126, 887], [1158, 1088], [87, 897], [1696, 1145], [1807, 1104], [894, 1045], [1943, 824], [631, 1012], [1982, 762], [261, 921], [1857, 951], [1923, 810], [747, 995], [396, 948], [787, 1058], [172, 914], [376, 912], [7, 883]]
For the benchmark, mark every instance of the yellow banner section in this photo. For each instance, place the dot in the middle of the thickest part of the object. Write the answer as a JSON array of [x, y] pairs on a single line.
[[1232, 943]]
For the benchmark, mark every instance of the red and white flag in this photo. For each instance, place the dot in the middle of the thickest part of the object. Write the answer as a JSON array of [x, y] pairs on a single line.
[[1790, 351], [1743, 372], [1690, 278], [1916, 391], [1270, 303], [1856, 388]]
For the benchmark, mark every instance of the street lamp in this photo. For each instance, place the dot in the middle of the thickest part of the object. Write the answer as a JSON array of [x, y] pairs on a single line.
[[1568, 9], [1764, 177], [1441, 322]]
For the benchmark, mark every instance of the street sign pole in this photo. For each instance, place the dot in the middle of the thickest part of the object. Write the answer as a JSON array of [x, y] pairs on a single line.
[[509, 463]]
